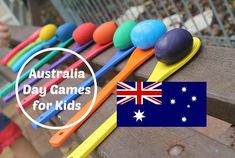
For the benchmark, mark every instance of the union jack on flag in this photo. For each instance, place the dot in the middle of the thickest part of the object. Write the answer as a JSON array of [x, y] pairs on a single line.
[[139, 91]]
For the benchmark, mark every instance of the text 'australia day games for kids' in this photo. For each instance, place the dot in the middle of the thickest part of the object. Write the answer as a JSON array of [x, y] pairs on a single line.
[[56, 89]]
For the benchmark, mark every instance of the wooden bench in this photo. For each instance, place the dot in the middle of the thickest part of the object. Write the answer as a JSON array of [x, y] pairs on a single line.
[[214, 65]]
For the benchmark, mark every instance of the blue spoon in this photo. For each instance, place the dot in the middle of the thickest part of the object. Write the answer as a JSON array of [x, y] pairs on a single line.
[[117, 58]]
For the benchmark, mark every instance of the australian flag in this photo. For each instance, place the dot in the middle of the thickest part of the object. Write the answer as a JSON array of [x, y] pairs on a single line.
[[161, 104]]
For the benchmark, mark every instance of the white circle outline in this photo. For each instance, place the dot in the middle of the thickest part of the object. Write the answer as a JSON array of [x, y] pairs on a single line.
[[93, 99]]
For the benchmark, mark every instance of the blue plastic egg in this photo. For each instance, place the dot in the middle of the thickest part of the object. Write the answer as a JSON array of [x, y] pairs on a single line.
[[146, 33], [65, 31], [173, 46]]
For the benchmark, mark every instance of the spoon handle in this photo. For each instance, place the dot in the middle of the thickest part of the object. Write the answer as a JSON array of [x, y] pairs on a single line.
[[22, 52], [96, 50], [77, 48], [103, 131], [23, 44], [39, 64], [53, 111], [137, 58], [16, 67]]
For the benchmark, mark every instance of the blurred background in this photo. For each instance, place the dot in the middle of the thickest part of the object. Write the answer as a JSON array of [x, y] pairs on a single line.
[[212, 20]]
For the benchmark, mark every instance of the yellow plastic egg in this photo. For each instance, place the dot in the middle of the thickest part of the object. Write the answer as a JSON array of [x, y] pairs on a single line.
[[47, 32]]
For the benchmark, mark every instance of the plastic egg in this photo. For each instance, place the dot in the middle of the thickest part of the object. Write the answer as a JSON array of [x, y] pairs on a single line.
[[173, 46], [47, 32], [146, 33], [104, 33], [84, 33], [65, 31], [122, 36]]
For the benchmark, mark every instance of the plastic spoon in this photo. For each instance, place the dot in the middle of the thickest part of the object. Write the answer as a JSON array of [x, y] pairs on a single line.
[[153, 30], [121, 34], [22, 52], [102, 44], [46, 33], [67, 40], [23, 44], [60, 34], [86, 40], [162, 71]]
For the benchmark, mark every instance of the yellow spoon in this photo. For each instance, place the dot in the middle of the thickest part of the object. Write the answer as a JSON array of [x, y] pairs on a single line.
[[160, 73]]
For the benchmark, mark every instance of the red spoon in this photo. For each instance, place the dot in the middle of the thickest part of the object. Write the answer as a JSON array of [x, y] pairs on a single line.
[[23, 44]]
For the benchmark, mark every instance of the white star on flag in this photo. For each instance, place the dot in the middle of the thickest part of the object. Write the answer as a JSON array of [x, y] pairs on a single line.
[[139, 115], [184, 89], [194, 98], [173, 101], [184, 119]]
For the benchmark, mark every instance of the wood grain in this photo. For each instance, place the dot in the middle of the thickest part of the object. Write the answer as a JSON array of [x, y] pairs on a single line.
[[20, 33]]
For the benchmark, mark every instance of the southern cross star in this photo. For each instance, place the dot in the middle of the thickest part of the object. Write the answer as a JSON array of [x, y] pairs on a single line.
[[184, 119], [184, 89], [194, 98], [139, 115], [172, 101]]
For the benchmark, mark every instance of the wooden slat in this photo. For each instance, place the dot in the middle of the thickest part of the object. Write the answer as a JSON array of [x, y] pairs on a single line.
[[214, 129], [20, 33]]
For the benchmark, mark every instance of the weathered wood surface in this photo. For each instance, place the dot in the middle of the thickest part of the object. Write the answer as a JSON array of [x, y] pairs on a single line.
[[20, 33], [212, 64]]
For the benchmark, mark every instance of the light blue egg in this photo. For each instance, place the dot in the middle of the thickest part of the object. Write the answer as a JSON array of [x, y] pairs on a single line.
[[146, 33]]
